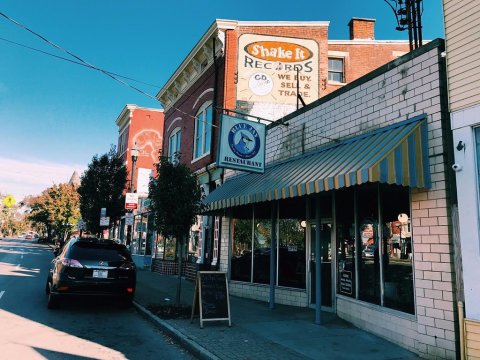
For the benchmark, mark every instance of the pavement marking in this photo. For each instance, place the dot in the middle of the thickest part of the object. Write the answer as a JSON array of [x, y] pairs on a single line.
[[1, 293], [18, 267]]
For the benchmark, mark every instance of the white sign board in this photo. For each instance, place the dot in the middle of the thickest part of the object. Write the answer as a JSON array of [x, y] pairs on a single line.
[[242, 145], [105, 221], [129, 219], [131, 201]]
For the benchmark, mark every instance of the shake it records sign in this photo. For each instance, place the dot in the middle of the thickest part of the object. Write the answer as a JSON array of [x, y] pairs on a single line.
[[270, 68], [242, 145]]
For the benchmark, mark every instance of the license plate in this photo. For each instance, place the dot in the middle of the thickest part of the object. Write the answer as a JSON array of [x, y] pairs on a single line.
[[103, 274]]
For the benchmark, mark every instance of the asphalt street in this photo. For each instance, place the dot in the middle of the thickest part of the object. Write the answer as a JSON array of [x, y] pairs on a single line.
[[79, 329]]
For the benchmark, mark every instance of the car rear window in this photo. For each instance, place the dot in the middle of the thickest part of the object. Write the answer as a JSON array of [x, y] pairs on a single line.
[[89, 251]]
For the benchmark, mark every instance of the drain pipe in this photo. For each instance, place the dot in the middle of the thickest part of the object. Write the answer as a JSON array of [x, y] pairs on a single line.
[[461, 325]]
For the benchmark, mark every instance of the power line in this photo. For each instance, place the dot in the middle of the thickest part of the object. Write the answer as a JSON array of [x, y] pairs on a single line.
[[76, 62], [77, 57]]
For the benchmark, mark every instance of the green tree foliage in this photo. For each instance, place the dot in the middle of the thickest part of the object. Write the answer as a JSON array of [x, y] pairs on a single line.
[[176, 201], [176, 198], [102, 186], [58, 208]]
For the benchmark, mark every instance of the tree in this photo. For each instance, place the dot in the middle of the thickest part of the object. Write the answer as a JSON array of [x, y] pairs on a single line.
[[176, 201], [102, 186], [58, 208]]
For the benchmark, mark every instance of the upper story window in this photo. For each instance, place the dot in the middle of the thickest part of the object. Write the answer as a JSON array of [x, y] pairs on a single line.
[[203, 131], [336, 70], [174, 144]]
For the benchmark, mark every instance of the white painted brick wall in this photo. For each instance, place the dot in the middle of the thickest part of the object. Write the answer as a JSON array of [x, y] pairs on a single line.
[[409, 90]]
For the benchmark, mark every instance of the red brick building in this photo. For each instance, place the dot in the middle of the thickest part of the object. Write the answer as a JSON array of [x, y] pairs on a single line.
[[141, 128], [255, 70]]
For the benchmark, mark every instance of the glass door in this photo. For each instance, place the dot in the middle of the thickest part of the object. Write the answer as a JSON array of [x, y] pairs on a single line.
[[326, 261]]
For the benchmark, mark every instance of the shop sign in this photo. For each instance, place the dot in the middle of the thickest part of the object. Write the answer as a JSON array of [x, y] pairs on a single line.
[[131, 201], [241, 145], [105, 221], [346, 282], [272, 69]]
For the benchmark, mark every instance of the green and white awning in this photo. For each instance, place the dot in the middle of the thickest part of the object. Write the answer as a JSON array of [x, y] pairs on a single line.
[[396, 154]]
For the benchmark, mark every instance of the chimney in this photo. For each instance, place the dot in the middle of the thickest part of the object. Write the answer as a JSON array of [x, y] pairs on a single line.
[[362, 29]]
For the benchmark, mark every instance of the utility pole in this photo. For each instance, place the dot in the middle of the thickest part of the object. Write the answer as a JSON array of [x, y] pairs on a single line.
[[409, 17]]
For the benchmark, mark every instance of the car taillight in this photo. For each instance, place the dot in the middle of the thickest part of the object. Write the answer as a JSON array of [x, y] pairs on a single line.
[[127, 266], [71, 263]]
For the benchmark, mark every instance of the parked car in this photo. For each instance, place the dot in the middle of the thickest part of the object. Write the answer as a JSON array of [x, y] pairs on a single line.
[[94, 268]]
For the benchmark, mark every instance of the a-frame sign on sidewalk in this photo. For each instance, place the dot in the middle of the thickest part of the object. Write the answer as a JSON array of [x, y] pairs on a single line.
[[211, 300]]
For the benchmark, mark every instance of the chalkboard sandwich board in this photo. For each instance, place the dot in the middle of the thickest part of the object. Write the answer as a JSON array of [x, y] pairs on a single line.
[[211, 300]]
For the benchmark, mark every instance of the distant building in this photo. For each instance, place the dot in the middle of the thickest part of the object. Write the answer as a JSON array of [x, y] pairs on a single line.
[[74, 179], [141, 128], [255, 70]]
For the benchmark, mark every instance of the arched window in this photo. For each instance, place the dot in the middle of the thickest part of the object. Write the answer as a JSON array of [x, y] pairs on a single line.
[[203, 131], [174, 144]]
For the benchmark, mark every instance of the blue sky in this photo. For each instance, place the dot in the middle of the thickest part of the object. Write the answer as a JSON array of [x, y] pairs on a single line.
[[55, 115]]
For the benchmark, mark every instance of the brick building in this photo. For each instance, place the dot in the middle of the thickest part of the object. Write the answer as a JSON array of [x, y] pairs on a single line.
[[140, 128], [353, 211], [254, 70]]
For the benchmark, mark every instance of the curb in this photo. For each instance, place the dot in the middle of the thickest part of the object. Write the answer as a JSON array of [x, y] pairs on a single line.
[[192, 346]]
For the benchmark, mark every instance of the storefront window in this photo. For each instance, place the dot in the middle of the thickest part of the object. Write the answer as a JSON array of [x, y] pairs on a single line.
[[160, 247], [368, 242], [291, 244], [241, 269], [262, 245], [397, 250], [385, 243], [170, 248], [345, 231]]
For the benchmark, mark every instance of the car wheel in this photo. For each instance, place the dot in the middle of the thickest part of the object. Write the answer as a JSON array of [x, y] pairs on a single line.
[[52, 299]]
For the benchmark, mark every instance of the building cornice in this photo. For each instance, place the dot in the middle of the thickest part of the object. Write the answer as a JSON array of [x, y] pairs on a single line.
[[200, 57], [196, 63]]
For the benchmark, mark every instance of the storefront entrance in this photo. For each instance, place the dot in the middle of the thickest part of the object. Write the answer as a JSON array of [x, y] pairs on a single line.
[[326, 261]]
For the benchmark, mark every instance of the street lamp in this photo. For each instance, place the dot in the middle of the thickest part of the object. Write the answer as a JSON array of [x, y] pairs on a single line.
[[134, 152]]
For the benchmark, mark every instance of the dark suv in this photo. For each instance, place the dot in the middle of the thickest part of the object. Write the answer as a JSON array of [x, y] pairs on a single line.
[[92, 267]]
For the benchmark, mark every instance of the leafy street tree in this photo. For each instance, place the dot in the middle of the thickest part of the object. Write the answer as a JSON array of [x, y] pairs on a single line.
[[102, 186], [176, 200], [58, 208]]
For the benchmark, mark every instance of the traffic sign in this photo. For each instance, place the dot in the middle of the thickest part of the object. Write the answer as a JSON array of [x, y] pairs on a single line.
[[129, 219], [105, 221]]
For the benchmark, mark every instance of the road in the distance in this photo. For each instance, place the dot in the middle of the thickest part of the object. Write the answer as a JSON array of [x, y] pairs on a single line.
[[78, 330]]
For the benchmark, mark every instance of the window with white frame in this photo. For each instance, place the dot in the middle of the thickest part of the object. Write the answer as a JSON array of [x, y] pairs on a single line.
[[174, 144], [203, 131], [336, 70]]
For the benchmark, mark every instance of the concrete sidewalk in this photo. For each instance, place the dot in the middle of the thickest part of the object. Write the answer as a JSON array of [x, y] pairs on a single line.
[[258, 332]]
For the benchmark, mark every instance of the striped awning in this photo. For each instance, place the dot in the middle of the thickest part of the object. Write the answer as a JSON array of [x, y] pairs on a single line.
[[396, 154]]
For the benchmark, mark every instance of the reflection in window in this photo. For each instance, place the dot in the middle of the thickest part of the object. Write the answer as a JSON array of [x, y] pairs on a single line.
[[261, 257], [291, 253], [170, 247], [241, 269], [369, 269], [385, 256], [335, 70], [174, 144], [397, 250], [345, 226], [203, 131]]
